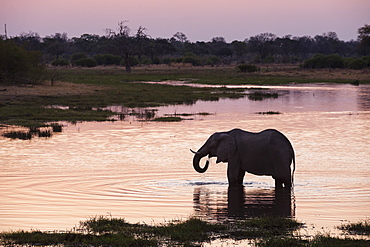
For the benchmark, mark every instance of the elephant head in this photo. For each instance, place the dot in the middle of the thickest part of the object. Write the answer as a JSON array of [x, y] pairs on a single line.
[[220, 145]]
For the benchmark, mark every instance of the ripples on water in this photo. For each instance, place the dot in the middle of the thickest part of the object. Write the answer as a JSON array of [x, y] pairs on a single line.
[[142, 171]]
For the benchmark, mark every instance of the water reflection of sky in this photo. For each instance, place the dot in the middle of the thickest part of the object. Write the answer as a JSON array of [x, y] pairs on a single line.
[[142, 171], [294, 98]]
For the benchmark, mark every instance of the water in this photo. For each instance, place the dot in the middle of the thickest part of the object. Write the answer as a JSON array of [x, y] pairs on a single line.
[[142, 171]]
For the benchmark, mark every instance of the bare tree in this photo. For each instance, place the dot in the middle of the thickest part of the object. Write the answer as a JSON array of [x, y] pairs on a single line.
[[126, 45]]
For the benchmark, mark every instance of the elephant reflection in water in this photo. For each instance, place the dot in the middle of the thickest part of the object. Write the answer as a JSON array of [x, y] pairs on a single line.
[[239, 203]]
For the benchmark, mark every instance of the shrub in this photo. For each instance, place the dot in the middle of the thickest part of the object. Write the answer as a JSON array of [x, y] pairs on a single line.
[[77, 56], [247, 68], [156, 60], [324, 61], [135, 62], [107, 59], [146, 60], [213, 60], [357, 63], [60, 62], [333, 61], [19, 64], [194, 60], [86, 62]]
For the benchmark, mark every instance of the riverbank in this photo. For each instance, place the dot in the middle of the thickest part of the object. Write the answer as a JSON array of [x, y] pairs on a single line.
[[80, 94]]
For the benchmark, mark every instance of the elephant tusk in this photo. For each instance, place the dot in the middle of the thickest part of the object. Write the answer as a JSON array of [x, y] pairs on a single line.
[[194, 152]]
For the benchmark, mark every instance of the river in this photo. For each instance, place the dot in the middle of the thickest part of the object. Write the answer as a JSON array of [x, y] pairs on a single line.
[[142, 170]]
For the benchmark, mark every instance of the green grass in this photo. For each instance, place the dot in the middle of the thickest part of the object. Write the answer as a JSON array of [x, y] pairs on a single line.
[[110, 231], [362, 227]]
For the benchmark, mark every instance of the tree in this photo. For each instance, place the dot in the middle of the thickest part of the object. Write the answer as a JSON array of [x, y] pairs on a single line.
[[304, 46], [179, 36], [56, 45], [364, 39], [18, 64], [262, 44], [30, 40], [327, 43], [126, 45], [87, 43], [239, 48]]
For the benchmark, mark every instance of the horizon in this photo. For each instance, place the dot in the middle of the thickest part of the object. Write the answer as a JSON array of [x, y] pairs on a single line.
[[199, 21]]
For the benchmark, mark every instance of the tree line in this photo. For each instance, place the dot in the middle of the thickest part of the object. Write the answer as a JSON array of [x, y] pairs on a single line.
[[123, 46]]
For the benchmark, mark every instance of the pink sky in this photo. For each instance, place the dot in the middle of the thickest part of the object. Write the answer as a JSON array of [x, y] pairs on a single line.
[[199, 20]]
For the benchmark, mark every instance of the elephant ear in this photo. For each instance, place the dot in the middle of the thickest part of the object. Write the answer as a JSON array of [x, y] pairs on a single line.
[[226, 148]]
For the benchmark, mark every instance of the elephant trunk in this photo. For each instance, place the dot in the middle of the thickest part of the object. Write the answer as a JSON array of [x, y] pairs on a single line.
[[196, 161]]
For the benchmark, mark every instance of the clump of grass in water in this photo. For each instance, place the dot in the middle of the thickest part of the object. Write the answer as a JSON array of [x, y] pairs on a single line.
[[259, 96], [264, 227], [106, 230], [168, 119], [269, 113], [109, 231], [362, 227]]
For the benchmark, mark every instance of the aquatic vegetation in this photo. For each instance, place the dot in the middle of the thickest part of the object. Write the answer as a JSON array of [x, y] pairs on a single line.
[[111, 231], [258, 95], [107, 230], [168, 119], [28, 134], [269, 113], [362, 227], [18, 135]]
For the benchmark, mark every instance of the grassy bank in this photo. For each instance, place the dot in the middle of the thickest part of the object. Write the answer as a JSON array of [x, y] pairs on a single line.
[[83, 93], [109, 231]]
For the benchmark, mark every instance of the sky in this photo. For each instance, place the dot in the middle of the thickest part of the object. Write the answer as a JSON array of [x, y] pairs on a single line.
[[199, 20]]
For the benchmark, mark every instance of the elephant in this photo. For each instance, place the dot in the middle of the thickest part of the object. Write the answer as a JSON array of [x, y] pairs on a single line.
[[268, 152]]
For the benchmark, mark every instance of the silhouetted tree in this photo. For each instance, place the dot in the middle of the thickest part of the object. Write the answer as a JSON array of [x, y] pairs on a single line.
[[30, 41], [239, 48], [364, 39], [87, 43], [56, 45], [327, 43], [180, 37], [18, 64], [126, 45], [262, 44]]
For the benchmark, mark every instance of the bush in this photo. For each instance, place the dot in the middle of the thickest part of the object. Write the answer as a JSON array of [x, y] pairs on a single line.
[[18, 64], [135, 62], [247, 68], [334, 61], [192, 58], [86, 62], [156, 60], [324, 61], [107, 59], [60, 62], [213, 60], [357, 63], [77, 56]]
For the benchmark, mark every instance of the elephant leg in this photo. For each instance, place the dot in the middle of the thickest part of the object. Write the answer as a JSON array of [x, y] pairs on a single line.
[[287, 183], [278, 183], [241, 177], [233, 176]]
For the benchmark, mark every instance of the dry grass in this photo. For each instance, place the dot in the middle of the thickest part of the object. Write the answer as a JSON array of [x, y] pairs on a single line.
[[58, 89]]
